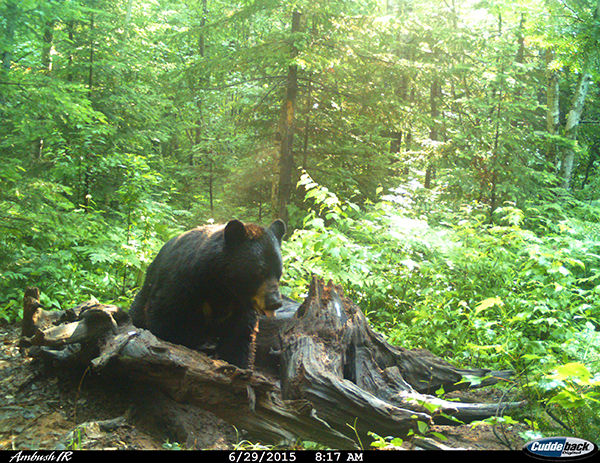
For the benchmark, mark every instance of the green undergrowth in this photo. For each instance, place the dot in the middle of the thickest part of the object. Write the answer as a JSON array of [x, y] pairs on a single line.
[[519, 291]]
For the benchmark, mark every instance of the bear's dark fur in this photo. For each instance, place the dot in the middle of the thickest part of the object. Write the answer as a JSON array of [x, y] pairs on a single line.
[[210, 284]]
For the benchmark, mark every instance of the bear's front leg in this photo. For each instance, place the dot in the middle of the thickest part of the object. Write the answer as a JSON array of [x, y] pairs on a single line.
[[236, 344]]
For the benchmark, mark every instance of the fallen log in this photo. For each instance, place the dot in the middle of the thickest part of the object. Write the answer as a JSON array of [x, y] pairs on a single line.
[[244, 398], [321, 374]]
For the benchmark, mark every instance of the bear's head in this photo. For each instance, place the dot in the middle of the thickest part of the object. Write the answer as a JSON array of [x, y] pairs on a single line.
[[255, 258]]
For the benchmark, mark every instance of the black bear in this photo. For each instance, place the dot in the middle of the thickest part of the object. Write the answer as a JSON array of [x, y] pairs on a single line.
[[210, 284]]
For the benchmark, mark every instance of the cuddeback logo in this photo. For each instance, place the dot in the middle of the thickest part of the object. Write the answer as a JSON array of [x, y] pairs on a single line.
[[560, 448]]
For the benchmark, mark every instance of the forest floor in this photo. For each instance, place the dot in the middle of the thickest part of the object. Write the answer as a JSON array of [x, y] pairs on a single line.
[[55, 408]]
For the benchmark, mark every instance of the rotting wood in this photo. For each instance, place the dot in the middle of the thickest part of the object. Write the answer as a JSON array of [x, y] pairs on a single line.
[[332, 358], [321, 375]]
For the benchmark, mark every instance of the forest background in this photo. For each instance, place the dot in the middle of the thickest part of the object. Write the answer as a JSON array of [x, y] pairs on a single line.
[[440, 159]]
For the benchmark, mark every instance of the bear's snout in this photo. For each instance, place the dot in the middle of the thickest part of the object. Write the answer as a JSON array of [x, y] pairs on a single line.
[[268, 298]]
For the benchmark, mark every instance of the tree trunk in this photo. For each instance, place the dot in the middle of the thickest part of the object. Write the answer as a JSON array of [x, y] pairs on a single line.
[[321, 375], [47, 44], [573, 118], [128, 9], [435, 93], [286, 158], [553, 110], [46, 63], [9, 36]]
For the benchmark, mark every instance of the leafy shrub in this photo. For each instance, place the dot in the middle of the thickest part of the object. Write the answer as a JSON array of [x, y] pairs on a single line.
[[72, 253], [480, 293]]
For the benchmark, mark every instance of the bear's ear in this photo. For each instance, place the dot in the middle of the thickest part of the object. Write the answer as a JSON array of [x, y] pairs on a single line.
[[278, 229], [235, 233]]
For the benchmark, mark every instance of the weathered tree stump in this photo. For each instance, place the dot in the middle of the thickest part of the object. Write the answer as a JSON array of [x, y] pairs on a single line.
[[321, 375]]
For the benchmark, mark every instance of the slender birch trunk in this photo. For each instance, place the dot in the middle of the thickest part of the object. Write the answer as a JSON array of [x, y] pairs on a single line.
[[573, 118], [567, 154], [553, 111]]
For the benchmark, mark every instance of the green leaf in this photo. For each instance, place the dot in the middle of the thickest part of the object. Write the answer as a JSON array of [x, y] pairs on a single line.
[[423, 427], [574, 370], [487, 303]]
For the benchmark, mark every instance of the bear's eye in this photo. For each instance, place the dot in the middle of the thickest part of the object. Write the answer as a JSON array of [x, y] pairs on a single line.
[[262, 270]]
